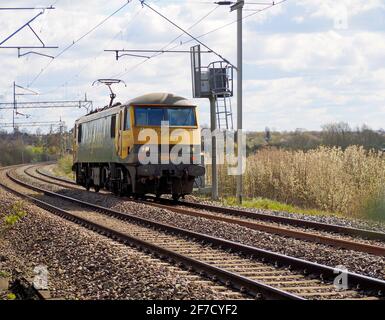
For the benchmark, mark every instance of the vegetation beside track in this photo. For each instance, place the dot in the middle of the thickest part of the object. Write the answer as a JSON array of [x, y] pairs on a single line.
[[9, 216], [64, 167], [13, 215], [323, 181], [342, 173], [22, 147], [267, 204], [347, 181]]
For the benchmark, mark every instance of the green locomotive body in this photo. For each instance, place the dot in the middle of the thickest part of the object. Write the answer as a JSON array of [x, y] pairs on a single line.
[[112, 150]]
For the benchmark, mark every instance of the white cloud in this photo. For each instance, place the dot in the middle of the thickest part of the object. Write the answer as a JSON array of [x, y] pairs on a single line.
[[299, 19], [333, 9], [292, 78]]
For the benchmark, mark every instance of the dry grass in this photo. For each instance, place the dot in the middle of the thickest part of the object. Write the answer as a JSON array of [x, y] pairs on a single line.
[[351, 181]]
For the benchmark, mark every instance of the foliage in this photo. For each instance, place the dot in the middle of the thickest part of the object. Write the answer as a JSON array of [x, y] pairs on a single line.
[[350, 181], [22, 147], [64, 167], [11, 296], [14, 214], [267, 204], [332, 135], [374, 207]]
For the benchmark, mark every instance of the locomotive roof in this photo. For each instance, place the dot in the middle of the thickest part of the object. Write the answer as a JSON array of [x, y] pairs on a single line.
[[147, 99], [160, 98]]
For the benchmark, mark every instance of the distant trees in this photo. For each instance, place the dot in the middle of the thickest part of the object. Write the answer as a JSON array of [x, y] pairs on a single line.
[[332, 135], [337, 134], [23, 147], [301, 140], [342, 135]]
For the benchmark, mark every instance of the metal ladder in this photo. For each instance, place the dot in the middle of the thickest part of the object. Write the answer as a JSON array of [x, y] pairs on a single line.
[[221, 84], [224, 111]]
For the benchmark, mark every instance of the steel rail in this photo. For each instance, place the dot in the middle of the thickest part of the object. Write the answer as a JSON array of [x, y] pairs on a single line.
[[356, 281], [366, 234], [278, 230], [362, 233], [239, 282]]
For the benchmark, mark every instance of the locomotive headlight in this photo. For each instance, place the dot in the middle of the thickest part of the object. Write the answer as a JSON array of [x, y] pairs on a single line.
[[145, 150]]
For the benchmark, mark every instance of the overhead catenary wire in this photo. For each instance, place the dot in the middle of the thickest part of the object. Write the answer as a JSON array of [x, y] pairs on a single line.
[[230, 23], [76, 41], [135, 15], [186, 32], [192, 26], [172, 41], [163, 49], [26, 8], [272, 4]]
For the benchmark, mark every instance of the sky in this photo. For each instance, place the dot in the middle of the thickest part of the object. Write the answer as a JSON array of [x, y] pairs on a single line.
[[306, 62]]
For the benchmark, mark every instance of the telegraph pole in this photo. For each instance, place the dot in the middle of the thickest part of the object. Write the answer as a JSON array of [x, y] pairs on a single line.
[[214, 168], [14, 106], [61, 138], [239, 98], [239, 7]]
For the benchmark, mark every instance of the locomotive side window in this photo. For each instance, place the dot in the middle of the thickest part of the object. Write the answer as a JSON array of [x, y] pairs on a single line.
[[113, 126], [127, 120], [79, 133]]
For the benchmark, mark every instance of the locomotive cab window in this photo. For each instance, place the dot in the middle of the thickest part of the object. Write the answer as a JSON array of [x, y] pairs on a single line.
[[181, 116], [177, 116]]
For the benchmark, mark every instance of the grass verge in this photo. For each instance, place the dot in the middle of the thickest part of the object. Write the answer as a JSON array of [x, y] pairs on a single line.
[[261, 203]]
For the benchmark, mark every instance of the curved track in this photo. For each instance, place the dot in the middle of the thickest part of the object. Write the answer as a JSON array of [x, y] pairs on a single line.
[[251, 220], [249, 269]]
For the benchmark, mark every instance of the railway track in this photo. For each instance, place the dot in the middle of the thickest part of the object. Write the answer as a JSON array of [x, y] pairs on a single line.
[[251, 220], [257, 272]]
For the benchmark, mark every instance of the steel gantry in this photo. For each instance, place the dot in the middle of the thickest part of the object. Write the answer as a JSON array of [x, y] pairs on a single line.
[[27, 24]]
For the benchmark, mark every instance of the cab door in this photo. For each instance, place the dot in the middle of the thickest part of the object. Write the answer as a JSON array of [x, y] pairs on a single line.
[[125, 137], [119, 135]]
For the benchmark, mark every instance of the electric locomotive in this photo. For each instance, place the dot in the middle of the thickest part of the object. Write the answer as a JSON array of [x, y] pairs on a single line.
[[113, 149]]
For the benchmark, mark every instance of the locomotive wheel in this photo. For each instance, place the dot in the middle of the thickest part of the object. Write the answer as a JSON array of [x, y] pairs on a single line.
[[96, 189], [175, 197], [118, 190], [138, 196], [121, 190]]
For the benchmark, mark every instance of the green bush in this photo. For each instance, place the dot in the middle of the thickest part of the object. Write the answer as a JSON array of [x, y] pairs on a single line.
[[14, 214], [11, 296], [64, 167]]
